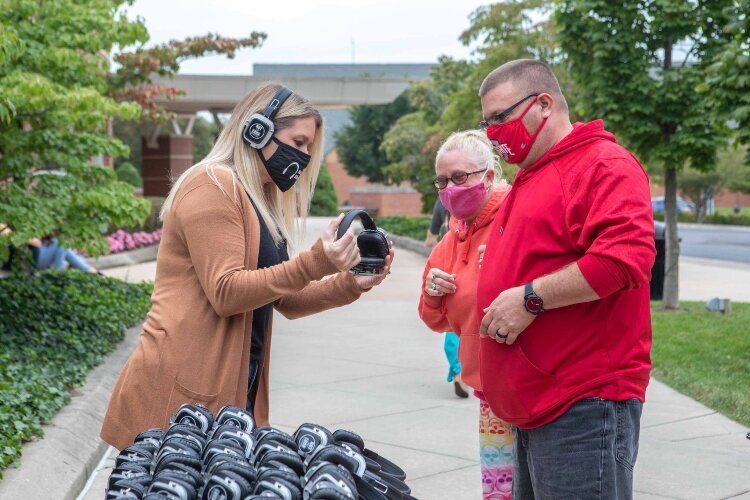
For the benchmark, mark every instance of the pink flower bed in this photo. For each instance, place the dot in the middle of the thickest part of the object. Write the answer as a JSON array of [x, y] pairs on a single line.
[[122, 241]]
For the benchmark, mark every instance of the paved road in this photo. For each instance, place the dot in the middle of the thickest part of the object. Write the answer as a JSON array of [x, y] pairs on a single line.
[[716, 244]]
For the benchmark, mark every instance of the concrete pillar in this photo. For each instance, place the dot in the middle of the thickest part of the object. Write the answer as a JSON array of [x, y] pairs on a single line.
[[172, 155]]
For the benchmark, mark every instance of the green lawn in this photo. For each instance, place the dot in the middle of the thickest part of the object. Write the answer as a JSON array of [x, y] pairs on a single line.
[[705, 356], [730, 211]]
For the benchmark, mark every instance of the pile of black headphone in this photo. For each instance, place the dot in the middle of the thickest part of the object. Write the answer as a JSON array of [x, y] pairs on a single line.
[[229, 458]]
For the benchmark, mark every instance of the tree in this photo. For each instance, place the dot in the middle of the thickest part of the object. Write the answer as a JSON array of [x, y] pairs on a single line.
[[358, 143], [731, 173], [126, 172], [324, 201], [411, 153], [53, 121], [204, 137], [57, 99], [699, 187], [637, 64], [727, 82], [735, 175], [504, 31], [132, 81], [448, 101]]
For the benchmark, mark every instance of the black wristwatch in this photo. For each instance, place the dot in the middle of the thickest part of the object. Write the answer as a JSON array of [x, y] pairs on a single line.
[[531, 301]]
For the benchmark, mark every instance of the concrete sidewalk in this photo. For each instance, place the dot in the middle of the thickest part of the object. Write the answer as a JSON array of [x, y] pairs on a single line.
[[374, 368]]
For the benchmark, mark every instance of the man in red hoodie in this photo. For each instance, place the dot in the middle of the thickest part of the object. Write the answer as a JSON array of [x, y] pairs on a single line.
[[563, 291]]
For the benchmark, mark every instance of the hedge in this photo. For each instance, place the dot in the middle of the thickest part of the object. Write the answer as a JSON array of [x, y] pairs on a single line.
[[412, 227], [740, 219], [56, 327]]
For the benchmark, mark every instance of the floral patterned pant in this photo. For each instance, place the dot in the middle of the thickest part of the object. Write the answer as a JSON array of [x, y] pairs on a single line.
[[496, 452]]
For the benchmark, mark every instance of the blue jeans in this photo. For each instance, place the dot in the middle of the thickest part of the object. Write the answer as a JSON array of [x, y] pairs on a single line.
[[55, 256], [587, 453]]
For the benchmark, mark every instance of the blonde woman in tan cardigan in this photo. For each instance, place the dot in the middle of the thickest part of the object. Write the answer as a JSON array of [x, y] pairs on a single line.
[[223, 267]]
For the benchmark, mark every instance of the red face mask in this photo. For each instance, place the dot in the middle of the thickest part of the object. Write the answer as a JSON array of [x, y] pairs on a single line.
[[511, 140]]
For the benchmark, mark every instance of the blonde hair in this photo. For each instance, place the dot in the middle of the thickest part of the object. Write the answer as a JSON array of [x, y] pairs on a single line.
[[284, 213], [475, 145]]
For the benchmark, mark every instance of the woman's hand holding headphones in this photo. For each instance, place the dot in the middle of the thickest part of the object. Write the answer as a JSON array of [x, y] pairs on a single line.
[[343, 253], [438, 282]]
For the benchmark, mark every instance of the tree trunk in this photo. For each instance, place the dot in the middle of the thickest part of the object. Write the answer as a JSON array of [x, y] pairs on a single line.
[[671, 297]]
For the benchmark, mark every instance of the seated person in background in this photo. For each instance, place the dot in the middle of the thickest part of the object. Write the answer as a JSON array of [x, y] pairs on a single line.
[[48, 254]]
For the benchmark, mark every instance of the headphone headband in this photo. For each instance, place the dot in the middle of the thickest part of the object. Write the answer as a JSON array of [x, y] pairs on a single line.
[[273, 107], [367, 221]]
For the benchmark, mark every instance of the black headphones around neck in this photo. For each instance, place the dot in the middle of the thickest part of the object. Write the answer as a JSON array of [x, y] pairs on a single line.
[[259, 128], [372, 242]]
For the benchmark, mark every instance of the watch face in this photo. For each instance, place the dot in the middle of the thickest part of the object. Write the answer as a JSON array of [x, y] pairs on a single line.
[[534, 304]]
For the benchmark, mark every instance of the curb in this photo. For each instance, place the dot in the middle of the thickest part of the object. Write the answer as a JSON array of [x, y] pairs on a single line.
[[129, 258], [59, 464], [410, 244]]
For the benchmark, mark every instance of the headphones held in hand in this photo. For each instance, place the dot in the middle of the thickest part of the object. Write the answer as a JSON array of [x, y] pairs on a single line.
[[259, 128], [372, 242]]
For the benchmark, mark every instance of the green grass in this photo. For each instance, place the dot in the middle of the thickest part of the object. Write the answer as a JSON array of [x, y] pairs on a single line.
[[705, 356], [730, 211]]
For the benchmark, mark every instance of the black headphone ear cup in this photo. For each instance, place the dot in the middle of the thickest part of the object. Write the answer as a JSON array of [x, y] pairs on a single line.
[[345, 436], [227, 485], [123, 486], [243, 469], [237, 417], [268, 485], [327, 480], [329, 493], [178, 484], [373, 248], [134, 453], [194, 414]]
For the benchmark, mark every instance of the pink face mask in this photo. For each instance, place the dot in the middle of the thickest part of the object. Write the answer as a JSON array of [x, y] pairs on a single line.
[[511, 139], [461, 201]]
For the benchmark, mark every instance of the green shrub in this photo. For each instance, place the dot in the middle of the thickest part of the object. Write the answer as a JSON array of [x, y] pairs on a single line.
[[411, 227], [730, 219], [741, 219], [56, 327], [324, 200], [128, 173], [681, 216]]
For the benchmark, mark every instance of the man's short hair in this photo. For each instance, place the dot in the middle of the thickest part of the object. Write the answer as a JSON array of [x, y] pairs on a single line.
[[527, 75]]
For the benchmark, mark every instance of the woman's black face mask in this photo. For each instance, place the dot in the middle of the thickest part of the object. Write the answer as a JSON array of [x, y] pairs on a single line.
[[285, 165]]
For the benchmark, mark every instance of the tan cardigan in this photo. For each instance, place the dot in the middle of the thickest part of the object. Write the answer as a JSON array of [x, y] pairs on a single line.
[[195, 344]]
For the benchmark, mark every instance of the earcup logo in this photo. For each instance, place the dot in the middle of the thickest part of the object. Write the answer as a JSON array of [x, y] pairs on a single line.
[[307, 444], [257, 130], [189, 421], [216, 493]]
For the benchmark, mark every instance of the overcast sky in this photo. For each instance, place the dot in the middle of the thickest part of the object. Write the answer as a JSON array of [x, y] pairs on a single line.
[[314, 31]]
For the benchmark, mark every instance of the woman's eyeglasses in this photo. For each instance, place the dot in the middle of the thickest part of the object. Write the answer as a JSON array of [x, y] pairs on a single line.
[[458, 178]]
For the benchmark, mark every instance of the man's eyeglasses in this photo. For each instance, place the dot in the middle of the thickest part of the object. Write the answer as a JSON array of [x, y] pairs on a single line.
[[500, 117], [458, 178]]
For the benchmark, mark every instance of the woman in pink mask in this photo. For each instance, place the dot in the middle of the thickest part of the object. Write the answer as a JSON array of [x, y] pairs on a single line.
[[465, 179]]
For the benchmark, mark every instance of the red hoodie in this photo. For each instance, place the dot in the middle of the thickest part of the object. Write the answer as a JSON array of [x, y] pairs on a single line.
[[586, 201]]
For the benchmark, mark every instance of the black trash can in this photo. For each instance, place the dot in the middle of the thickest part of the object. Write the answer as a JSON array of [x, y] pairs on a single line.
[[657, 272]]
